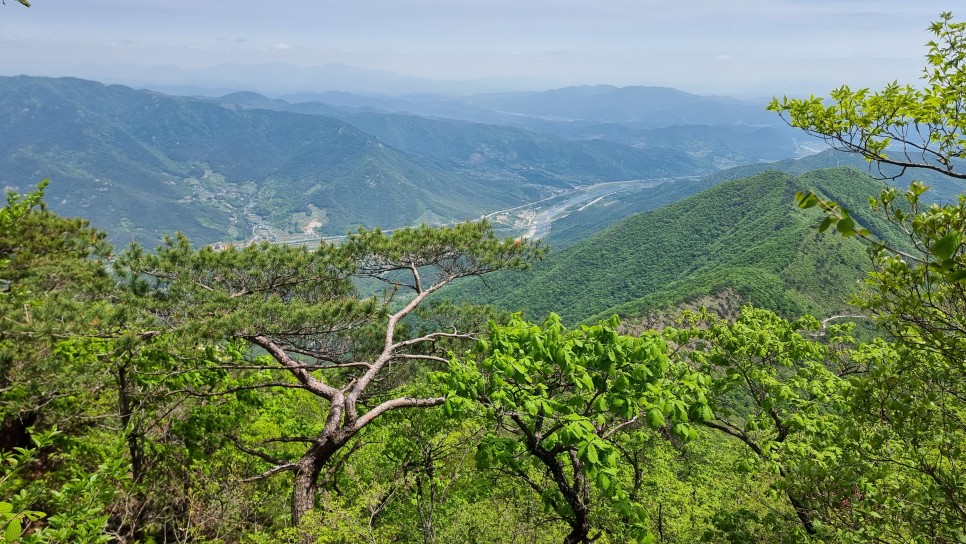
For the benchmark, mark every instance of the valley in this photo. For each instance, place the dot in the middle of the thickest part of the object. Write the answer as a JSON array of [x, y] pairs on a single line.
[[534, 220]]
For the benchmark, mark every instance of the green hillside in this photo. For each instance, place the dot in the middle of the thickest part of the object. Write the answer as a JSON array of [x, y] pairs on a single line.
[[943, 188], [746, 235], [140, 164], [583, 223], [535, 157]]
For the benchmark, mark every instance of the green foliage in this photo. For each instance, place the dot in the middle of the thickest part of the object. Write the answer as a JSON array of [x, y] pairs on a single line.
[[912, 398], [155, 409], [776, 389], [14, 521], [902, 421], [581, 224], [900, 124], [314, 348], [500, 151], [557, 398]]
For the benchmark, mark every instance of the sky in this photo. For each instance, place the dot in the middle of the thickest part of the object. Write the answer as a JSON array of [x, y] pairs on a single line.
[[731, 47]]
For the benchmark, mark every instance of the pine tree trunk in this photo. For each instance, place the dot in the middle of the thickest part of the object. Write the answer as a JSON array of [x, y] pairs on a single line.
[[303, 492], [306, 482]]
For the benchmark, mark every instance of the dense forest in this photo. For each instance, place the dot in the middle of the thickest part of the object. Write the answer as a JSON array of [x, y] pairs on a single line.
[[387, 388]]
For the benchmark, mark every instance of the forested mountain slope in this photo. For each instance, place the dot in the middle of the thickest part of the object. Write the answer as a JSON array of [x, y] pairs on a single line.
[[745, 235], [475, 147], [141, 164], [583, 223], [942, 188]]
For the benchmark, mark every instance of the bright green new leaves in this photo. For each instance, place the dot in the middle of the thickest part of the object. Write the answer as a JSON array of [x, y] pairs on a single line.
[[902, 446], [15, 518], [904, 420], [914, 398], [558, 397], [919, 282], [774, 387], [836, 215], [899, 125]]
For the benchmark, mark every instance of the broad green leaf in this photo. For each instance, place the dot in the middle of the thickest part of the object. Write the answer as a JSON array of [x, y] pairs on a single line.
[[958, 276], [946, 246], [806, 200], [655, 418], [846, 226], [592, 453], [13, 530], [825, 224]]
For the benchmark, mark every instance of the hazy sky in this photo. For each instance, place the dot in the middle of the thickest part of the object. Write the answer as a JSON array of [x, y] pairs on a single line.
[[712, 46]]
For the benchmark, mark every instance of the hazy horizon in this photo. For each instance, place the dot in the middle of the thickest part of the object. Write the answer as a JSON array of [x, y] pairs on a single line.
[[746, 48]]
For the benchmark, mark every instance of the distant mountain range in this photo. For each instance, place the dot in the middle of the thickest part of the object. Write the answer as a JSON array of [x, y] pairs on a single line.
[[720, 132], [580, 163], [275, 79], [141, 163], [655, 106]]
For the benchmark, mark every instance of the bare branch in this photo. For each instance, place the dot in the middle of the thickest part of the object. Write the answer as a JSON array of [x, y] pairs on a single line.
[[431, 338], [394, 404], [416, 357], [617, 428], [310, 382], [271, 472]]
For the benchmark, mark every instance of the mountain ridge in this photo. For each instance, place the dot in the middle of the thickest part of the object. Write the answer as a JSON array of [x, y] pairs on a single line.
[[745, 235]]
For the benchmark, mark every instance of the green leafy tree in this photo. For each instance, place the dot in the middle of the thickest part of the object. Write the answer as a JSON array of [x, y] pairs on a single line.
[[52, 284], [313, 334], [900, 125], [911, 396], [14, 521], [776, 388], [558, 398], [906, 411]]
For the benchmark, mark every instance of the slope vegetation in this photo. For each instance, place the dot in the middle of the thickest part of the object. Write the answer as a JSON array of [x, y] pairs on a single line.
[[583, 223], [746, 236]]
